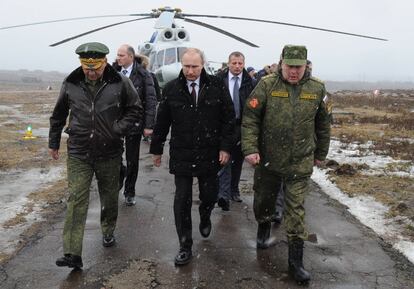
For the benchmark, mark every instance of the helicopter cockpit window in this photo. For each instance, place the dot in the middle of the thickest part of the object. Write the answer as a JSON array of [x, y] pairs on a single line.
[[160, 57], [170, 56]]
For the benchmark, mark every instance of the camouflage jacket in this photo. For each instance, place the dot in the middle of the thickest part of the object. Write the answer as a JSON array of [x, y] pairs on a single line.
[[288, 125]]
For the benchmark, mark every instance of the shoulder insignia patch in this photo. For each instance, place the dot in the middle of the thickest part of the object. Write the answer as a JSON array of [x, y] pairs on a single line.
[[266, 76], [328, 104], [254, 102], [280, 93], [308, 96]]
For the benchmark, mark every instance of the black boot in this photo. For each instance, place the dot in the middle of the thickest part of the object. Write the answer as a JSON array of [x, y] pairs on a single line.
[[263, 234], [205, 222], [296, 269], [277, 217], [71, 261], [205, 226]]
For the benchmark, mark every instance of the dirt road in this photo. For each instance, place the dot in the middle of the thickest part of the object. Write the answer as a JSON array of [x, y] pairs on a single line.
[[347, 254]]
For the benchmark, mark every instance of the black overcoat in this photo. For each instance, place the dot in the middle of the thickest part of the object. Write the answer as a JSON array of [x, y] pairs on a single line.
[[144, 84], [246, 86], [199, 132]]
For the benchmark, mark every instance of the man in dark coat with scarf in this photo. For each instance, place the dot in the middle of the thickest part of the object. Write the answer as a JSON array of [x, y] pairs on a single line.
[[129, 65], [199, 110]]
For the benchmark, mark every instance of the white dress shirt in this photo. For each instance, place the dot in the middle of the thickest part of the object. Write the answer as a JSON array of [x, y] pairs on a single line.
[[232, 81], [196, 88], [128, 69]]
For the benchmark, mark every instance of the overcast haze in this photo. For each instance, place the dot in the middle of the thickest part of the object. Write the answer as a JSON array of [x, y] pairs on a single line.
[[335, 57]]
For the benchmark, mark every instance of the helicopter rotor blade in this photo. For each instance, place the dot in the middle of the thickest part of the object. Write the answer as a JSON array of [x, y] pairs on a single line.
[[97, 29], [220, 31], [283, 23], [73, 19]]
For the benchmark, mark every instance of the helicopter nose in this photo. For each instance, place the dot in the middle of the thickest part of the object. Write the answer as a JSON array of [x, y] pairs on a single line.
[[167, 73]]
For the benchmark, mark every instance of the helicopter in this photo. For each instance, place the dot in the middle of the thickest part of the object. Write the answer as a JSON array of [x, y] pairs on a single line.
[[166, 46], [170, 40]]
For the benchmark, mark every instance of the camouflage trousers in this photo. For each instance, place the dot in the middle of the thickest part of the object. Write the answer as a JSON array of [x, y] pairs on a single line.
[[266, 188], [80, 173]]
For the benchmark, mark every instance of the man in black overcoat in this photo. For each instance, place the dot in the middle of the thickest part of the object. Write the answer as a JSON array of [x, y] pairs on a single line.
[[200, 112]]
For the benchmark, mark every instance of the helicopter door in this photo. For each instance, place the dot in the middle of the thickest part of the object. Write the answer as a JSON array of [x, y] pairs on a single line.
[[170, 56]]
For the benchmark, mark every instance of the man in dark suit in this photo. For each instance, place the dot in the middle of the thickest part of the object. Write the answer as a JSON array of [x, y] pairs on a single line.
[[240, 85], [129, 65], [199, 111]]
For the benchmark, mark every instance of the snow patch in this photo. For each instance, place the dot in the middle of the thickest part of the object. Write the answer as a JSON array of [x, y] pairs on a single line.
[[15, 186], [10, 108], [399, 139], [350, 153], [14, 113], [407, 248], [369, 212]]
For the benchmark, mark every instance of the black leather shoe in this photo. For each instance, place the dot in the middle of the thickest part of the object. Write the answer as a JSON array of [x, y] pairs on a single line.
[[277, 217], [71, 261], [183, 257], [108, 240], [130, 201], [223, 204], [205, 227], [236, 199], [263, 235]]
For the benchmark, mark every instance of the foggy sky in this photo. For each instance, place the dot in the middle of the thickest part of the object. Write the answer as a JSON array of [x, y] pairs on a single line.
[[335, 57]]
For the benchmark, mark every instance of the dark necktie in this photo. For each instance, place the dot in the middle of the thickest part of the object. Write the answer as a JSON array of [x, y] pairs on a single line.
[[124, 72], [193, 93], [236, 97]]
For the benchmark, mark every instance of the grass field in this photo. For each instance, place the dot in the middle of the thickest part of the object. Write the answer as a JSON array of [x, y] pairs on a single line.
[[386, 123]]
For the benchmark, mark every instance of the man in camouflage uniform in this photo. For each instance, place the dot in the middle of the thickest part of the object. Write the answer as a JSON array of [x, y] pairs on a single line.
[[102, 106], [285, 131]]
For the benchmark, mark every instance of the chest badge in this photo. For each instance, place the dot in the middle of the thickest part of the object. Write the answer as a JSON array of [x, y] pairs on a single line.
[[308, 96], [279, 93], [253, 102]]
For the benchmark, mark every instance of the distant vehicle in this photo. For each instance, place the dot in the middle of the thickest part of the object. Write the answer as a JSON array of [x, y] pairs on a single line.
[[169, 40]]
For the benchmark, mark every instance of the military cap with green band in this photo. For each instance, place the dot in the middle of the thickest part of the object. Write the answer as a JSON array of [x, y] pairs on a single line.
[[294, 55], [92, 50]]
